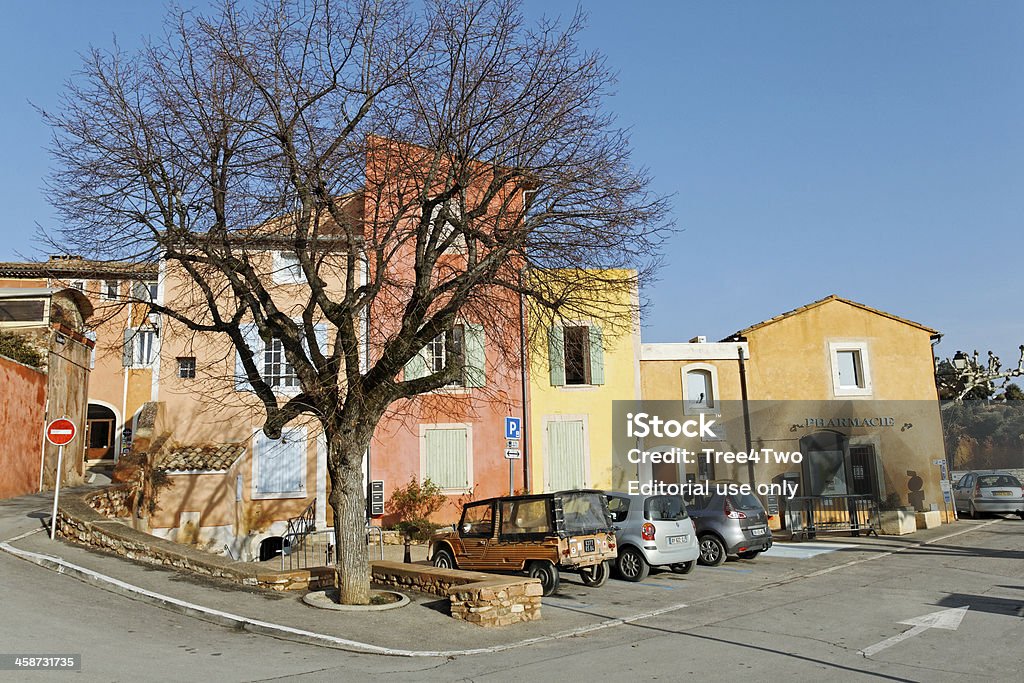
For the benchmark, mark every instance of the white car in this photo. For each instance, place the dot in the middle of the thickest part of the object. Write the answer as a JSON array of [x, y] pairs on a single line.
[[652, 530], [979, 492]]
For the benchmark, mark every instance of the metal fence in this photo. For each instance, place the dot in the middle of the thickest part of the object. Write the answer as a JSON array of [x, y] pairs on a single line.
[[315, 548], [807, 516]]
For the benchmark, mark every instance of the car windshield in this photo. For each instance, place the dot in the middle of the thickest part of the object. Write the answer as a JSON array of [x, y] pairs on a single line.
[[664, 509], [990, 480], [584, 512]]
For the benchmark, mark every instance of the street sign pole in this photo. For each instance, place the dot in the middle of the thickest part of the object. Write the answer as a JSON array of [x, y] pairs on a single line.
[[59, 432], [56, 492]]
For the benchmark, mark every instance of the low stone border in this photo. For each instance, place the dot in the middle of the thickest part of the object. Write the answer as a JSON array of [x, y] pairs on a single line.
[[322, 600], [483, 599], [77, 520]]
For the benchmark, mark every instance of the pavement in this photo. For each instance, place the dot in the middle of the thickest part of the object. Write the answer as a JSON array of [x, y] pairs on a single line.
[[423, 628]]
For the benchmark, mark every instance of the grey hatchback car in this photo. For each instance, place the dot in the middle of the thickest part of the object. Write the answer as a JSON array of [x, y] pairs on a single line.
[[729, 525], [651, 530]]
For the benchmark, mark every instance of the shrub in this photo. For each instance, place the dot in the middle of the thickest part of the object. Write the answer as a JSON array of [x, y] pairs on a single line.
[[20, 349], [413, 504]]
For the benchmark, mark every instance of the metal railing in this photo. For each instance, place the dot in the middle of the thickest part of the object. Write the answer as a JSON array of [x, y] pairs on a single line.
[[294, 539], [315, 548], [807, 516]]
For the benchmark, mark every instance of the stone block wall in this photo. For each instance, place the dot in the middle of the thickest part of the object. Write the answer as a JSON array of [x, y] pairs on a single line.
[[476, 597]]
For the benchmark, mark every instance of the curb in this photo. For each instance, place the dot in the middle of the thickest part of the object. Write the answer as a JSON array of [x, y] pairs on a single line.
[[266, 628]]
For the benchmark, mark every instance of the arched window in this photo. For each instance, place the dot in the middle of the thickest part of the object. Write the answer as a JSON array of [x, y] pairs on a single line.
[[700, 389]]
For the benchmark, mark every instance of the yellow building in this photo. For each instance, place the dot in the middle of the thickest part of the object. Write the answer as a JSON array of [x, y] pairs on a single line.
[[578, 368], [847, 388]]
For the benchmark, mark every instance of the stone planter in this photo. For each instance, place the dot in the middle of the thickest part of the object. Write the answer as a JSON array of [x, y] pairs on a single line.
[[898, 522]]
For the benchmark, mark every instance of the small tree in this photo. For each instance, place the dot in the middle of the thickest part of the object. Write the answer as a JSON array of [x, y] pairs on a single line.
[[413, 504]]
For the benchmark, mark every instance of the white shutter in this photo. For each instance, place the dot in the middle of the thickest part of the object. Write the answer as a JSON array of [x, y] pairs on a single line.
[[446, 461], [279, 465], [255, 344]]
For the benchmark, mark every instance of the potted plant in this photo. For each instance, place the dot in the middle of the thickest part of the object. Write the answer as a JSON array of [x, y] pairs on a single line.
[[895, 519]]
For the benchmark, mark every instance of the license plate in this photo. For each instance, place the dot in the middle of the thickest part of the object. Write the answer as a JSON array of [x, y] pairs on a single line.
[[588, 545], [677, 540], [757, 532], [1000, 493]]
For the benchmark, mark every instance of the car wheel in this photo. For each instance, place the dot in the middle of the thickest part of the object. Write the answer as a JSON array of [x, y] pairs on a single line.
[[443, 559], [632, 565], [595, 576], [683, 567], [749, 555], [712, 551], [547, 573]]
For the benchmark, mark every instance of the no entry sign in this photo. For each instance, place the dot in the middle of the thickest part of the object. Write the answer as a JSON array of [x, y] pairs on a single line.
[[60, 432]]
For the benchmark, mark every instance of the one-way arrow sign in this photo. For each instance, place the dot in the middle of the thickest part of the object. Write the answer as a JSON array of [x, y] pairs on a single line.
[[947, 619]]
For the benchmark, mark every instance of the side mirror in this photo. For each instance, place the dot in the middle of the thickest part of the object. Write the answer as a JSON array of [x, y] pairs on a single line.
[[466, 528]]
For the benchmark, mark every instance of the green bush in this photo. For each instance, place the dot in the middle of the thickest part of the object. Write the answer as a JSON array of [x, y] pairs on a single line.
[[19, 348]]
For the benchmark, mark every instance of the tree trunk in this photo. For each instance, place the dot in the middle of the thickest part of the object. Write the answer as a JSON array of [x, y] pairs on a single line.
[[348, 502]]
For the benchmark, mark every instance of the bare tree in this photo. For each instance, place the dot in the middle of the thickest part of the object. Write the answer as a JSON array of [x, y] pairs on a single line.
[[964, 376], [437, 162]]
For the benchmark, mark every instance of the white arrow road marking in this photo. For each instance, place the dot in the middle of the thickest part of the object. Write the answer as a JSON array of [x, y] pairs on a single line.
[[947, 619]]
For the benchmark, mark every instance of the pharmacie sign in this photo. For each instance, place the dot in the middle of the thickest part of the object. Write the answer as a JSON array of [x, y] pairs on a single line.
[[850, 422]]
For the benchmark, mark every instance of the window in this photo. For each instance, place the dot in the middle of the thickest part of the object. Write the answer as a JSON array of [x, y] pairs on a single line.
[[850, 371], [466, 344], [270, 360], [450, 214], [139, 348], [145, 291], [277, 371], [187, 367], [700, 389], [576, 355], [279, 465], [110, 289], [478, 520], [445, 458], [25, 311], [91, 336], [287, 269], [78, 284]]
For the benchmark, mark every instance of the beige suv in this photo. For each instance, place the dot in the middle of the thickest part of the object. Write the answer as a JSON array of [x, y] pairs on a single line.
[[539, 534]]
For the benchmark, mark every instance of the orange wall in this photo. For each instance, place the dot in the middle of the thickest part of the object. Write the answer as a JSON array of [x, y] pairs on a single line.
[[22, 412]]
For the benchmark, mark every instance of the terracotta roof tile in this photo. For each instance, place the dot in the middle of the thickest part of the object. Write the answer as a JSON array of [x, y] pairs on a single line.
[[211, 457]]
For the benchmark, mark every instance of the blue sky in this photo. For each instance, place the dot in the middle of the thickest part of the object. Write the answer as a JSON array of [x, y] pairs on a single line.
[[868, 149]]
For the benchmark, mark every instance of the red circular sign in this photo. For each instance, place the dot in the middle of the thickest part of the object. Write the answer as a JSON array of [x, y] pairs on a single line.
[[60, 431]]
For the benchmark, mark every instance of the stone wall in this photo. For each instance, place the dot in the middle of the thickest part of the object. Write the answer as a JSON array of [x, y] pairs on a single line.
[[112, 502], [79, 521], [482, 599]]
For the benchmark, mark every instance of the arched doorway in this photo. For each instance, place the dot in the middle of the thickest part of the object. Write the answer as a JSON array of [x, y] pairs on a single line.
[[101, 432]]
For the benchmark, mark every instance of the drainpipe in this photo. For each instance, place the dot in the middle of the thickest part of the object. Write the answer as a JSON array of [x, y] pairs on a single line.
[[746, 413], [522, 380]]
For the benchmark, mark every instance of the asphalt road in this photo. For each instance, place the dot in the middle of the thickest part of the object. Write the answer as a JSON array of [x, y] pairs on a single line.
[[756, 620]]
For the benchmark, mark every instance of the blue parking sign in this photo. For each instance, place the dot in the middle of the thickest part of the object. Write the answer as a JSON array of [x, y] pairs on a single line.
[[513, 427]]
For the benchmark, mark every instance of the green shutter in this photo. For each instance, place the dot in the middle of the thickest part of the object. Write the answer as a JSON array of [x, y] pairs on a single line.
[[556, 356], [473, 350], [596, 356], [566, 467], [446, 461], [417, 366]]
